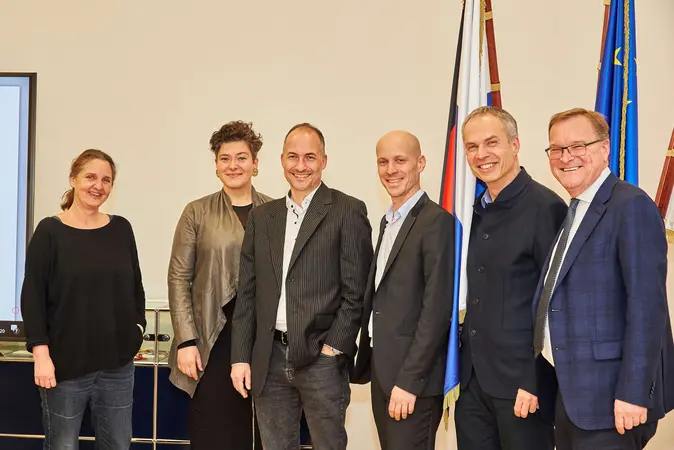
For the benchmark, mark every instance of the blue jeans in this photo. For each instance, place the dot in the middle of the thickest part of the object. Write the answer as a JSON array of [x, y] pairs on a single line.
[[109, 393], [321, 390]]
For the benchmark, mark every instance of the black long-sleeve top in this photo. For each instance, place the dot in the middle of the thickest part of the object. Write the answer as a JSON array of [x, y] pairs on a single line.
[[83, 296]]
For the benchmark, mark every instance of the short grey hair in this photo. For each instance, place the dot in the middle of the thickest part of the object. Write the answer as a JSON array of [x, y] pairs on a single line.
[[507, 120]]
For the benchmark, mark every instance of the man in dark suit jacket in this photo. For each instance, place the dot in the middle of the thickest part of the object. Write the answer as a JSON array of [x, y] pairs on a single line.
[[303, 269], [408, 303], [513, 226], [602, 318]]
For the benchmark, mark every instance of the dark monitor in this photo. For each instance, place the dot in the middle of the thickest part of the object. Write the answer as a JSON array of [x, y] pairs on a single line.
[[17, 153]]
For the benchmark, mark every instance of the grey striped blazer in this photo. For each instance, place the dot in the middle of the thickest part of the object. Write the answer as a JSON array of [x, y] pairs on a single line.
[[324, 286]]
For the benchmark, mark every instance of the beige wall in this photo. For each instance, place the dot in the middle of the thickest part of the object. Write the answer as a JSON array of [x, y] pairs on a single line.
[[148, 81]]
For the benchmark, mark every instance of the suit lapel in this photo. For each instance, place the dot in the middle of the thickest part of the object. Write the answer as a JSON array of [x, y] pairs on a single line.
[[402, 234], [592, 217], [318, 209], [369, 287], [276, 229], [590, 221]]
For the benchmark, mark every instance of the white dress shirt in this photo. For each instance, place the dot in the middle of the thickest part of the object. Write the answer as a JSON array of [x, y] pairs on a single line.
[[584, 201], [394, 221], [294, 219]]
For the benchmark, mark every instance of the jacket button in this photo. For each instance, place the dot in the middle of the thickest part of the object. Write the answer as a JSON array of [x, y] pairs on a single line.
[[476, 301], [473, 332], [271, 328], [291, 280], [485, 236], [480, 269]]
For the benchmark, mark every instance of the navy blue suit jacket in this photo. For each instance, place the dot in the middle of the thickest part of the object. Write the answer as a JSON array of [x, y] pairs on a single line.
[[609, 320]]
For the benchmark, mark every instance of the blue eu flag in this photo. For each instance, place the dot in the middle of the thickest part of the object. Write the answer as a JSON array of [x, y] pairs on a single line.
[[617, 90]]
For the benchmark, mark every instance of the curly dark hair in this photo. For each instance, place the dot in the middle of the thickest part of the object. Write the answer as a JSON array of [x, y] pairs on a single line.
[[235, 131]]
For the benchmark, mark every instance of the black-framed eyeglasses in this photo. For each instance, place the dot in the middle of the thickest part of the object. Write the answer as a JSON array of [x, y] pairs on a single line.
[[574, 150]]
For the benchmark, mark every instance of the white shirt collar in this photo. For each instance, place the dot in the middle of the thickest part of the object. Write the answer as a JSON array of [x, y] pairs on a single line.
[[290, 203], [589, 193]]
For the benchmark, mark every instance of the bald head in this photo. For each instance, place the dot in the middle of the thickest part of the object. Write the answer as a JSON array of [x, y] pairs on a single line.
[[400, 163], [403, 140]]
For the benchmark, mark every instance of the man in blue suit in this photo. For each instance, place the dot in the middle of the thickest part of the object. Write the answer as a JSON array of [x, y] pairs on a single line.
[[602, 320]]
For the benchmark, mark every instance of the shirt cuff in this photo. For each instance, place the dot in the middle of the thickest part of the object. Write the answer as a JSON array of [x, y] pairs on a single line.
[[142, 330], [334, 350], [190, 343]]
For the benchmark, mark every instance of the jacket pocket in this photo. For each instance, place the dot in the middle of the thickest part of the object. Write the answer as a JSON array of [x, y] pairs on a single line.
[[607, 350], [324, 321]]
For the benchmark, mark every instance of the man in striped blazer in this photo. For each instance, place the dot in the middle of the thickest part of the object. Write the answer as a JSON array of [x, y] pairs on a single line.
[[303, 270]]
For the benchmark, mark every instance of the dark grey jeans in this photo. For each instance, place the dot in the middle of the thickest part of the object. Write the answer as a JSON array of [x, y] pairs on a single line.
[[322, 390]]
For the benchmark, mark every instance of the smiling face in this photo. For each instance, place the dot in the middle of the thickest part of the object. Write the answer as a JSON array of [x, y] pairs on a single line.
[[491, 155], [577, 173], [303, 161], [235, 164], [92, 185], [399, 164]]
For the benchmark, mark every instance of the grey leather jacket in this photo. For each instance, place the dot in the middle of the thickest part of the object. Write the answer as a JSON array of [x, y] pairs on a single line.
[[203, 275]]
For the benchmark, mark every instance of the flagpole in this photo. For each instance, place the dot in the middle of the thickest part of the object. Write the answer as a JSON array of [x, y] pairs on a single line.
[[666, 180], [447, 201], [607, 13], [491, 50], [447, 190]]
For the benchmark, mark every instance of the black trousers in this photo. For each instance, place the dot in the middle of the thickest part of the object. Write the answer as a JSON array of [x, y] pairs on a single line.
[[484, 422], [219, 418], [417, 432], [569, 437]]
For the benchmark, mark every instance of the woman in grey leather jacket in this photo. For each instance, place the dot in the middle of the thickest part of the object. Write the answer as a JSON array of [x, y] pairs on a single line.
[[202, 280]]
